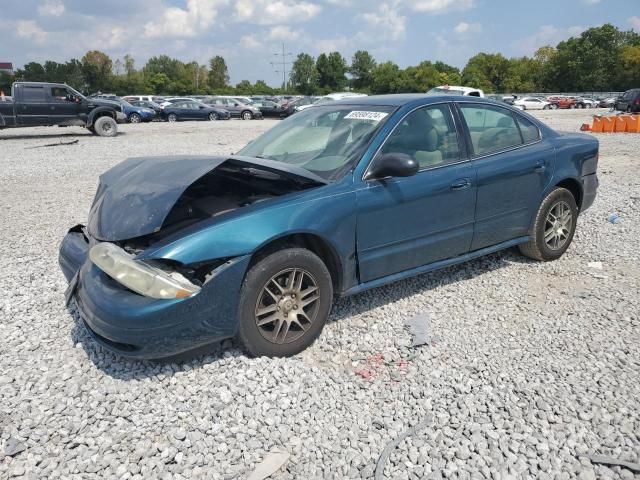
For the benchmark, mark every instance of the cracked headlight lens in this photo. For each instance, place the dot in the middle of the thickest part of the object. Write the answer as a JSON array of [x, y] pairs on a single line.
[[139, 276]]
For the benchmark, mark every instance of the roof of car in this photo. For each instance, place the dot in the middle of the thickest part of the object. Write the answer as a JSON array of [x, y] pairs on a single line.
[[400, 99]]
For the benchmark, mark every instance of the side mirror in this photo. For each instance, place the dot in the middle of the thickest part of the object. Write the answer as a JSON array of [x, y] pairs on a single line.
[[392, 165]]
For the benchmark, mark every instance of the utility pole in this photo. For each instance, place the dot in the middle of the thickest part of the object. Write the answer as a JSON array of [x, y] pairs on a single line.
[[282, 64]]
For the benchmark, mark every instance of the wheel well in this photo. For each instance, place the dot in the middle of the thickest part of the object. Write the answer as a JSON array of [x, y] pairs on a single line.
[[311, 242], [104, 113], [575, 188]]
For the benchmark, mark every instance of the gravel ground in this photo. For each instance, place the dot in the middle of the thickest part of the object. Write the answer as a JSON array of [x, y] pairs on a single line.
[[529, 367]]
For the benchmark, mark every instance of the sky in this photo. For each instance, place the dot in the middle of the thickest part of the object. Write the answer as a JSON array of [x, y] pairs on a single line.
[[247, 33]]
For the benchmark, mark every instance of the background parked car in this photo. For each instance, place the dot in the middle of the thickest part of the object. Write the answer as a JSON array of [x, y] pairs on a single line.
[[149, 98], [193, 110], [146, 104], [561, 102], [235, 108], [291, 106], [172, 100], [133, 113], [532, 103], [629, 101], [269, 108], [608, 102], [332, 97]]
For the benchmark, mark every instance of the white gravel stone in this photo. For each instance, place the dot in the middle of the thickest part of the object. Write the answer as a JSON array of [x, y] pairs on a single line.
[[529, 365]]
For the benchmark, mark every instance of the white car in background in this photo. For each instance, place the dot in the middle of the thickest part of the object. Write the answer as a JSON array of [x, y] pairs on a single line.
[[456, 90], [532, 103], [332, 97]]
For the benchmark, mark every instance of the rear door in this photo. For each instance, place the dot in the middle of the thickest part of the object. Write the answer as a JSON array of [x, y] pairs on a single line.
[[32, 108], [513, 164], [64, 106]]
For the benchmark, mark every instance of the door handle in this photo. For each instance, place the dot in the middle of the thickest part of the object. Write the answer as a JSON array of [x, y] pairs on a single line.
[[540, 168], [461, 184]]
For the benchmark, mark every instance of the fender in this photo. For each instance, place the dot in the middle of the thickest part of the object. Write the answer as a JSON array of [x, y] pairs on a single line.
[[92, 115]]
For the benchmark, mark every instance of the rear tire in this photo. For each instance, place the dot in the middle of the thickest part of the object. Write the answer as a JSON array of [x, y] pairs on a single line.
[[105, 127], [285, 301], [553, 228], [172, 117]]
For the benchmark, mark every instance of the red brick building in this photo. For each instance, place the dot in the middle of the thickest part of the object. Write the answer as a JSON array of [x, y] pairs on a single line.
[[6, 67]]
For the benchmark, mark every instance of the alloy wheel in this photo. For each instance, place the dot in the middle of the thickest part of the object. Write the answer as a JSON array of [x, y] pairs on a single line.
[[213, 116], [558, 225], [134, 118], [172, 117], [287, 306]]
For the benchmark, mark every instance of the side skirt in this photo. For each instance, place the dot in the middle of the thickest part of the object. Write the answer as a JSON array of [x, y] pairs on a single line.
[[433, 266]]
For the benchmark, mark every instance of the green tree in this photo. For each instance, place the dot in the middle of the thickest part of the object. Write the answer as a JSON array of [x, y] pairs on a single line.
[[261, 88], [332, 71], [97, 70], [385, 77], [362, 65], [245, 87], [487, 71], [218, 73], [304, 75], [32, 72]]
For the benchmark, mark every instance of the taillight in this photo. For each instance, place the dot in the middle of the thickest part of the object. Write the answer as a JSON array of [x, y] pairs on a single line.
[[637, 102]]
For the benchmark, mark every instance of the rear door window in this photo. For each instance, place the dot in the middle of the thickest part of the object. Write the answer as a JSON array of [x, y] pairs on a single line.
[[33, 94], [491, 128]]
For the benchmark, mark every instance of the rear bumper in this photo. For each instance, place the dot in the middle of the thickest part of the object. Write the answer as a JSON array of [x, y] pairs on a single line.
[[136, 326], [590, 185]]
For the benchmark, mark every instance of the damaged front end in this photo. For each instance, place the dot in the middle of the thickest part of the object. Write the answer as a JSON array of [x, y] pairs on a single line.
[[151, 307]]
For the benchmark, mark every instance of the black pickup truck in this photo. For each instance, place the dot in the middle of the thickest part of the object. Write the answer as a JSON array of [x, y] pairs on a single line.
[[41, 104]]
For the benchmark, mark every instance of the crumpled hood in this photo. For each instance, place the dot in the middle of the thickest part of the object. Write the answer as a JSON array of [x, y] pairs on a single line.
[[135, 196]]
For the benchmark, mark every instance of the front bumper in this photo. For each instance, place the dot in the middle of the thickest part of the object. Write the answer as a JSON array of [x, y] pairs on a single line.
[[121, 117], [135, 326]]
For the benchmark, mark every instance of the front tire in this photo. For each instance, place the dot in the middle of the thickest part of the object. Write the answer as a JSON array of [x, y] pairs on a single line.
[[172, 117], [285, 301], [247, 115], [213, 116], [105, 127], [135, 118], [553, 228]]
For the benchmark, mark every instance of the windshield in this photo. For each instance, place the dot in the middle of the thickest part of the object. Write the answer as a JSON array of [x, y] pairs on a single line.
[[325, 140]]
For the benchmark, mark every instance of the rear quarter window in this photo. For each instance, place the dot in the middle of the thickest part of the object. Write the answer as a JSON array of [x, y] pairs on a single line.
[[529, 130]]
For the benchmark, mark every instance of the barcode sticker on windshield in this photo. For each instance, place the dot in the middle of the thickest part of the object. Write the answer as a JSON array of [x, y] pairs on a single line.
[[359, 115]]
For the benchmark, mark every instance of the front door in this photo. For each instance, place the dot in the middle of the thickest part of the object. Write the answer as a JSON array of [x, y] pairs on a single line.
[[404, 223], [513, 165], [64, 105]]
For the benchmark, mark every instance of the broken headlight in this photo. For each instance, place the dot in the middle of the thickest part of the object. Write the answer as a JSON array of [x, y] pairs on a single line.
[[139, 276]]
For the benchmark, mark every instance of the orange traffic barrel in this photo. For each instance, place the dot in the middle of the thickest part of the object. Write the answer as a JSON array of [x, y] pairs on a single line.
[[620, 124], [633, 123], [608, 124], [597, 124]]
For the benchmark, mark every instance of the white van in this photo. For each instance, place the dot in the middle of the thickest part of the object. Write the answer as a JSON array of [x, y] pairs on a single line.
[[455, 90]]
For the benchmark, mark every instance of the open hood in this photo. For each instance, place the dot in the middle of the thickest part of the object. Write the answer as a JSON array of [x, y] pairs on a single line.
[[135, 197]]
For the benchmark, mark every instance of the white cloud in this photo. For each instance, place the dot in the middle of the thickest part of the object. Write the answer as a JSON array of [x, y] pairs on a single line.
[[283, 32], [591, 2], [385, 23], [53, 8], [635, 23], [30, 30], [269, 12], [465, 28], [177, 22], [250, 42], [440, 6], [547, 35], [327, 45]]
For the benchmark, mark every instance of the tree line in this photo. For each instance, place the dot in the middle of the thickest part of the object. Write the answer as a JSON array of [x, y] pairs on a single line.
[[600, 59]]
